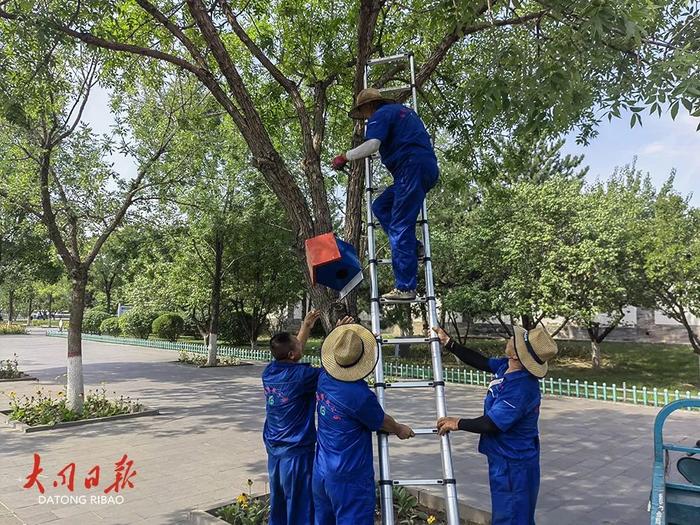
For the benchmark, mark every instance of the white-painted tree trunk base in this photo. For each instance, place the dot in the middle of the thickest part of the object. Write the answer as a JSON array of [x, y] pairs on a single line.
[[75, 389], [211, 359]]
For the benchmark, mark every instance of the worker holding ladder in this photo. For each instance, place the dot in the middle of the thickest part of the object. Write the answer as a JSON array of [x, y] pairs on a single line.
[[398, 134]]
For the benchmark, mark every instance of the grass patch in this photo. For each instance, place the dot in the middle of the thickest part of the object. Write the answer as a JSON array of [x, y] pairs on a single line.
[[43, 408], [642, 364]]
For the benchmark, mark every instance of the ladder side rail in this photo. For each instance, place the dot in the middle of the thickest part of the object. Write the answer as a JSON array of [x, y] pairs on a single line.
[[438, 377], [385, 487], [414, 93]]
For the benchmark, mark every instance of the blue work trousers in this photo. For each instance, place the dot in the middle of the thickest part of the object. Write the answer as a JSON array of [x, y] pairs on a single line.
[[291, 501], [397, 209], [514, 488], [348, 502]]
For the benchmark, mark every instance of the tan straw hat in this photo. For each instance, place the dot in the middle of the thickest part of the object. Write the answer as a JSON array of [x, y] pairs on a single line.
[[534, 348], [366, 96], [349, 352]]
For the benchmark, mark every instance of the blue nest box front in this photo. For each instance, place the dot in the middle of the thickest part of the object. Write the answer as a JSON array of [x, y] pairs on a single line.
[[333, 263]]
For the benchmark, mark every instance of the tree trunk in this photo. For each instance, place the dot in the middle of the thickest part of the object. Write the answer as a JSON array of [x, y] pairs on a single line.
[[108, 296], [215, 299], [30, 308], [75, 390], [11, 306], [595, 353], [326, 300], [304, 305], [692, 336], [50, 308]]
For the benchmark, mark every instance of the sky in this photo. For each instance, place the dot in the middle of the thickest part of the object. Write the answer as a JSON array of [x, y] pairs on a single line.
[[660, 145]]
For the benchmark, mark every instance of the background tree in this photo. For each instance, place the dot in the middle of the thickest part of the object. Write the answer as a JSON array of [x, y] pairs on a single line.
[[598, 270], [110, 270], [285, 72], [671, 255], [54, 168], [27, 262]]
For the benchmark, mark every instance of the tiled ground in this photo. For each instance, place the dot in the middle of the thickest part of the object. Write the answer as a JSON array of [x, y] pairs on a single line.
[[596, 457]]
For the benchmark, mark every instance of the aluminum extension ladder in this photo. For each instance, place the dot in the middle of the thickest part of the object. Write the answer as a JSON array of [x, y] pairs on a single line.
[[386, 483]]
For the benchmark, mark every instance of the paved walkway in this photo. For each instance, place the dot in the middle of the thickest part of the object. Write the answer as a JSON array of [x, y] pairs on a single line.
[[206, 443]]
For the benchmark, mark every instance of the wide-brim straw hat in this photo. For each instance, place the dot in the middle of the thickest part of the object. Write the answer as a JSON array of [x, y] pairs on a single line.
[[349, 352], [534, 348], [366, 96]]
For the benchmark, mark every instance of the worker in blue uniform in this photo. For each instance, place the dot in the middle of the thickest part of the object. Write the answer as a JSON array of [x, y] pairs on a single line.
[[400, 137], [290, 433], [348, 412], [508, 428]]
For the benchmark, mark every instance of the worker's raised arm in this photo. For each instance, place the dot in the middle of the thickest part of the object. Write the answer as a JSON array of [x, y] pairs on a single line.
[[367, 148], [468, 356]]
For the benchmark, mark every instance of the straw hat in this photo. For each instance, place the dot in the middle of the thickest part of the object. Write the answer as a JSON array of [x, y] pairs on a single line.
[[349, 352], [534, 348], [366, 96]]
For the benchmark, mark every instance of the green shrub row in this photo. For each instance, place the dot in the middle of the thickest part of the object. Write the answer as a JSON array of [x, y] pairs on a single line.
[[134, 323]]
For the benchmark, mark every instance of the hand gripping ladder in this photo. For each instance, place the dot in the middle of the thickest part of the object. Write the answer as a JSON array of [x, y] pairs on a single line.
[[386, 483]]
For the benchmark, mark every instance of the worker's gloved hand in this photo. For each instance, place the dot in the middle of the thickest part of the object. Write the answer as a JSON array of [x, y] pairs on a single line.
[[339, 162]]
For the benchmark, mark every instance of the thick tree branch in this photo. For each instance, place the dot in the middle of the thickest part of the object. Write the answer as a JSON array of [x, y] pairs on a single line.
[[82, 98], [135, 187], [175, 30], [441, 50], [311, 154], [366, 27], [48, 216]]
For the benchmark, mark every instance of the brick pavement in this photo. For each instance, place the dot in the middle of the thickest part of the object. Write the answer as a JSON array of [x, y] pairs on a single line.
[[206, 443]]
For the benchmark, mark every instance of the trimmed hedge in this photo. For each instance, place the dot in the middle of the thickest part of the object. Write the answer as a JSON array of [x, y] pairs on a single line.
[[110, 326], [137, 322], [168, 326], [93, 319]]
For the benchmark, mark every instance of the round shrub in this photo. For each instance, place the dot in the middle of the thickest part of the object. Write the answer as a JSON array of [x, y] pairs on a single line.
[[110, 326], [137, 322], [168, 326], [93, 319]]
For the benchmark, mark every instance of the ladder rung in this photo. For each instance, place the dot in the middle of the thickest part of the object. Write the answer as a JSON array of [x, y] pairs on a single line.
[[417, 482], [424, 431], [410, 384], [388, 261], [395, 89], [387, 60], [417, 300], [408, 340]]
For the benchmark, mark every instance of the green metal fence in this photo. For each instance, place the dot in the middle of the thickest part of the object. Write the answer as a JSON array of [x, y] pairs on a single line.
[[558, 387]]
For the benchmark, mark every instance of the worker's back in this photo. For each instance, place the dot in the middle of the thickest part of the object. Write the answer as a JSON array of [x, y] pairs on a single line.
[[401, 133]]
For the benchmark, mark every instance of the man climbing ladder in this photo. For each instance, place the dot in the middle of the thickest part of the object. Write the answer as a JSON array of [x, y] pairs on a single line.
[[398, 134]]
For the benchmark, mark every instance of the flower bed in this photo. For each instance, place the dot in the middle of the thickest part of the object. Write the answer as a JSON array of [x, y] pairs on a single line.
[[9, 370], [12, 329], [43, 409], [191, 358], [250, 509]]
